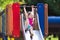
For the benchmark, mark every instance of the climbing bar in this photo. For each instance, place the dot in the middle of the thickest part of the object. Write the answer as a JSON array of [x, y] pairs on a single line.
[[29, 6]]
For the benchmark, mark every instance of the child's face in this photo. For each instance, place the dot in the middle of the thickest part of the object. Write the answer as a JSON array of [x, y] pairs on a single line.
[[31, 16]]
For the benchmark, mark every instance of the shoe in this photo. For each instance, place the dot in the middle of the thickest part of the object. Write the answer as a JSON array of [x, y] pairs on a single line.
[[31, 36], [26, 30]]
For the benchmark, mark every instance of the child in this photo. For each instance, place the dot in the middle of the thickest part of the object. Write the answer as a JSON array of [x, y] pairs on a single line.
[[29, 20]]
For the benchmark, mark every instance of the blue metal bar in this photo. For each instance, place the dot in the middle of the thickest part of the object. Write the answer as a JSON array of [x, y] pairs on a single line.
[[54, 19]]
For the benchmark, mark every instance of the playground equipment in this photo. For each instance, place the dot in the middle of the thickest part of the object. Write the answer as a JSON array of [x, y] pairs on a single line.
[[16, 20], [42, 18], [46, 19], [9, 22], [37, 33], [54, 19], [9, 19], [29, 6], [54, 25], [13, 20], [0, 24]]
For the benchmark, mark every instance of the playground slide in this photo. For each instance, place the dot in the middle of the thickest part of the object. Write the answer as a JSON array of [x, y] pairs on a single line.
[[37, 33]]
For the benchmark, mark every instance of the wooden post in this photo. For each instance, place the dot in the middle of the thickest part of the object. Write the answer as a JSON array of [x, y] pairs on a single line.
[[46, 19]]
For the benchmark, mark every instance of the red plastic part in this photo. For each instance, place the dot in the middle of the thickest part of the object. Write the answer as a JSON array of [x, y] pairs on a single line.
[[16, 20]]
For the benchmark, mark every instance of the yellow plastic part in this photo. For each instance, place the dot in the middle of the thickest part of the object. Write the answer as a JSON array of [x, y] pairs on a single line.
[[1, 39], [8, 38], [12, 38]]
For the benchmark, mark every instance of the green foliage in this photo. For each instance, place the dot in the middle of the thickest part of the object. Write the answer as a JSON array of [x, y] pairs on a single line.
[[3, 3], [54, 5], [50, 37]]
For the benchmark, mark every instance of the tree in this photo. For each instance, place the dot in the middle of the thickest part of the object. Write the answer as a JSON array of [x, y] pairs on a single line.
[[54, 6], [3, 3]]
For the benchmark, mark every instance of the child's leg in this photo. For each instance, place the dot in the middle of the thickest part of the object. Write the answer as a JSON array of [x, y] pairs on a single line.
[[31, 32], [26, 29], [26, 26]]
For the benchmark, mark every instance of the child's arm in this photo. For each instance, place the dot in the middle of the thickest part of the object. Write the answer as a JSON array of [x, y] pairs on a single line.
[[25, 12], [33, 9]]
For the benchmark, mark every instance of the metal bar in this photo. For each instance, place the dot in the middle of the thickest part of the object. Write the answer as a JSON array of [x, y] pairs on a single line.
[[29, 6], [54, 19]]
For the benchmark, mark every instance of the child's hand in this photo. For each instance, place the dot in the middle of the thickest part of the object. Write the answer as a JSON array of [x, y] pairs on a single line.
[[24, 6], [32, 6]]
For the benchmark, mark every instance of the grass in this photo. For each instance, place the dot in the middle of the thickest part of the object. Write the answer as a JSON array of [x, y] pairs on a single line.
[[52, 38]]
